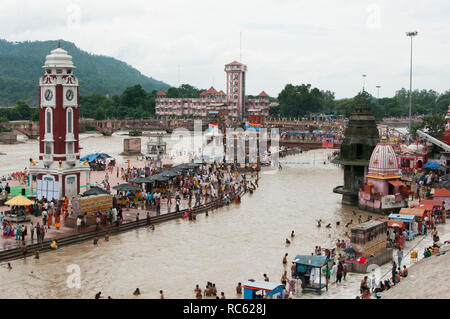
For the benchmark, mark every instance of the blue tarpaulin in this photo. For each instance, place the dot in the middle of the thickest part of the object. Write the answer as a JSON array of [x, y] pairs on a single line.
[[431, 164], [93, 157]]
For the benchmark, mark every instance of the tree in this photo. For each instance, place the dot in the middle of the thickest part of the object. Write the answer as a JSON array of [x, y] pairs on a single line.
[[173, 93], [434, 124], [100, 114], [297, 101]]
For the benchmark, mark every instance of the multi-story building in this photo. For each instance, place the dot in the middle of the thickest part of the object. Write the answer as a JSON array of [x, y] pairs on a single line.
[[238, 105]]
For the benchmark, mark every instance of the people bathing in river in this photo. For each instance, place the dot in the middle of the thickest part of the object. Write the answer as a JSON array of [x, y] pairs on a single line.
[[239, 289], [285, 259]]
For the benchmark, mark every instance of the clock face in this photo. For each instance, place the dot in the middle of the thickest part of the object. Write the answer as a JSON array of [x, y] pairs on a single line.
[[69, 95], [48, 95]]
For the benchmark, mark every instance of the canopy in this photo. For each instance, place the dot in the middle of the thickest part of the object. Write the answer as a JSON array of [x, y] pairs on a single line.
[[396, 224], [19, 200], [127, 188], [140, 180], [314, 261], [431, 164], [433, 202], [419, 212], [95, 190], [170, 173], [261, 285], [93, 157], [159, 178]]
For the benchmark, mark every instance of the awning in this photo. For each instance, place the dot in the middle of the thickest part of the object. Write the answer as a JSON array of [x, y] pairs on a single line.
[[397, 184], [419, 212]]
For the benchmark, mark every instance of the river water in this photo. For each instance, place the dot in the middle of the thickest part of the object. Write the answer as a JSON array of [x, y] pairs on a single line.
[[231, 245]]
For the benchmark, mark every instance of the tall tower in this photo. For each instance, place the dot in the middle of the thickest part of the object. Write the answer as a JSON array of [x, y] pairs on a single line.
[[58, 170], [360, 138], [236, 87]]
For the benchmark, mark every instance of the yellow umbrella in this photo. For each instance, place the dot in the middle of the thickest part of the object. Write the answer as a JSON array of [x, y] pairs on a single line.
[[19, 200]]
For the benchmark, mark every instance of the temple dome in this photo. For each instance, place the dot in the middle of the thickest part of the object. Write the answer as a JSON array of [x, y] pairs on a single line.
[[417, 148], [383, 162], [58, 58]]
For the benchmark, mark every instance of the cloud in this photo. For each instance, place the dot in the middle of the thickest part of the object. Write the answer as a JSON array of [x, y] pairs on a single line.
[[329, 44]]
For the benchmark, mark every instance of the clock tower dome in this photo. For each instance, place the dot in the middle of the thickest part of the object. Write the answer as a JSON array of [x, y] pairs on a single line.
[[58, 169]]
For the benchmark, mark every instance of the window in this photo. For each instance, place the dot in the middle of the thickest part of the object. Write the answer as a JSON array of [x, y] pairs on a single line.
[[48, 120], [49, 71], [69, 71], [59, 72], [70, 146], [69, 120], [48, 148]]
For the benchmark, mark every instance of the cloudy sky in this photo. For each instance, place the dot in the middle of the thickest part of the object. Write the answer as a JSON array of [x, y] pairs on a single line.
[[329, 44]]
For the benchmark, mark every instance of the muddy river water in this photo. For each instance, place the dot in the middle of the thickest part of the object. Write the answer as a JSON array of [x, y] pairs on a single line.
[[231, 245]]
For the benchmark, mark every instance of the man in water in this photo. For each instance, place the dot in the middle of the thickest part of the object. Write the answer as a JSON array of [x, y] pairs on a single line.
[[266, 278], [239, 289], [285, 259]]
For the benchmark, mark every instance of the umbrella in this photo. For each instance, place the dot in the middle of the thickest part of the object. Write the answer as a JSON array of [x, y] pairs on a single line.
[[159, 178], [95, 190], [170, 173], [140, 180], [127, 188], [19, 200]]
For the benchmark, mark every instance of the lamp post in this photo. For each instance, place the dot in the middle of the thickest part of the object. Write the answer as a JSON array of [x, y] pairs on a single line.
[[411, 35], [378, 91], [364, 81]]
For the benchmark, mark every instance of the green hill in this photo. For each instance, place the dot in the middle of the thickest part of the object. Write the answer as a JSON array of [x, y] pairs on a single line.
[[21, 66]]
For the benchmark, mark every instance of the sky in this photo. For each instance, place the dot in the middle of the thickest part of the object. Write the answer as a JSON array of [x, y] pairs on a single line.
[[328, 44]]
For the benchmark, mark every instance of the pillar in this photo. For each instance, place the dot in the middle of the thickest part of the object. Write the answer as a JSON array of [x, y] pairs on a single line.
[[88, 180], [30, 186], [60, 178]]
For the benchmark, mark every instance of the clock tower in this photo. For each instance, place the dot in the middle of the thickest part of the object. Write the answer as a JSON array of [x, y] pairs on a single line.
[[58, 170], [236, 87]]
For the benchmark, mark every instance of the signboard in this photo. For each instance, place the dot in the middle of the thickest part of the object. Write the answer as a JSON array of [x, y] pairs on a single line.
[[328, 142], [95, 203], [47, 188], [388, 201]]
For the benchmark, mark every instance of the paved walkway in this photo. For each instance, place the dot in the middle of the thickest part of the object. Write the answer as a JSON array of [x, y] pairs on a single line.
[[96, 177]]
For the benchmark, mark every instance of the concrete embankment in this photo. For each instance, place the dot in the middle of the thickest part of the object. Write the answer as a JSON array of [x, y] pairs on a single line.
[[16, 253], [427, 279]]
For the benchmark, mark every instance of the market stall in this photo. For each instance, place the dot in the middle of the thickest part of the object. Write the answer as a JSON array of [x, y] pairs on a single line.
[[309, 269], [20, 205], [268, 289]]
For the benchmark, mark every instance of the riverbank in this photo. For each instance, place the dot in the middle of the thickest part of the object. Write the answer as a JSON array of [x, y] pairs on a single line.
[[429, 278]]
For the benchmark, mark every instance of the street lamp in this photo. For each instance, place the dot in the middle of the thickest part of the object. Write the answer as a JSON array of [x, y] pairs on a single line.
[[364, 81], [378, 91], [411, 35]]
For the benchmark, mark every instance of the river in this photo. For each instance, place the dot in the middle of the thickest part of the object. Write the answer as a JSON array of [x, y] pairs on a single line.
[[231, 245]]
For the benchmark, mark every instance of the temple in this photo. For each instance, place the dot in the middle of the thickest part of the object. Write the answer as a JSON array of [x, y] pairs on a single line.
[[360, 138], [383, 191]]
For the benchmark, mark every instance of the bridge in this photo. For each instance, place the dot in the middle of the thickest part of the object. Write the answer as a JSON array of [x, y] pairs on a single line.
[[27, 128]]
